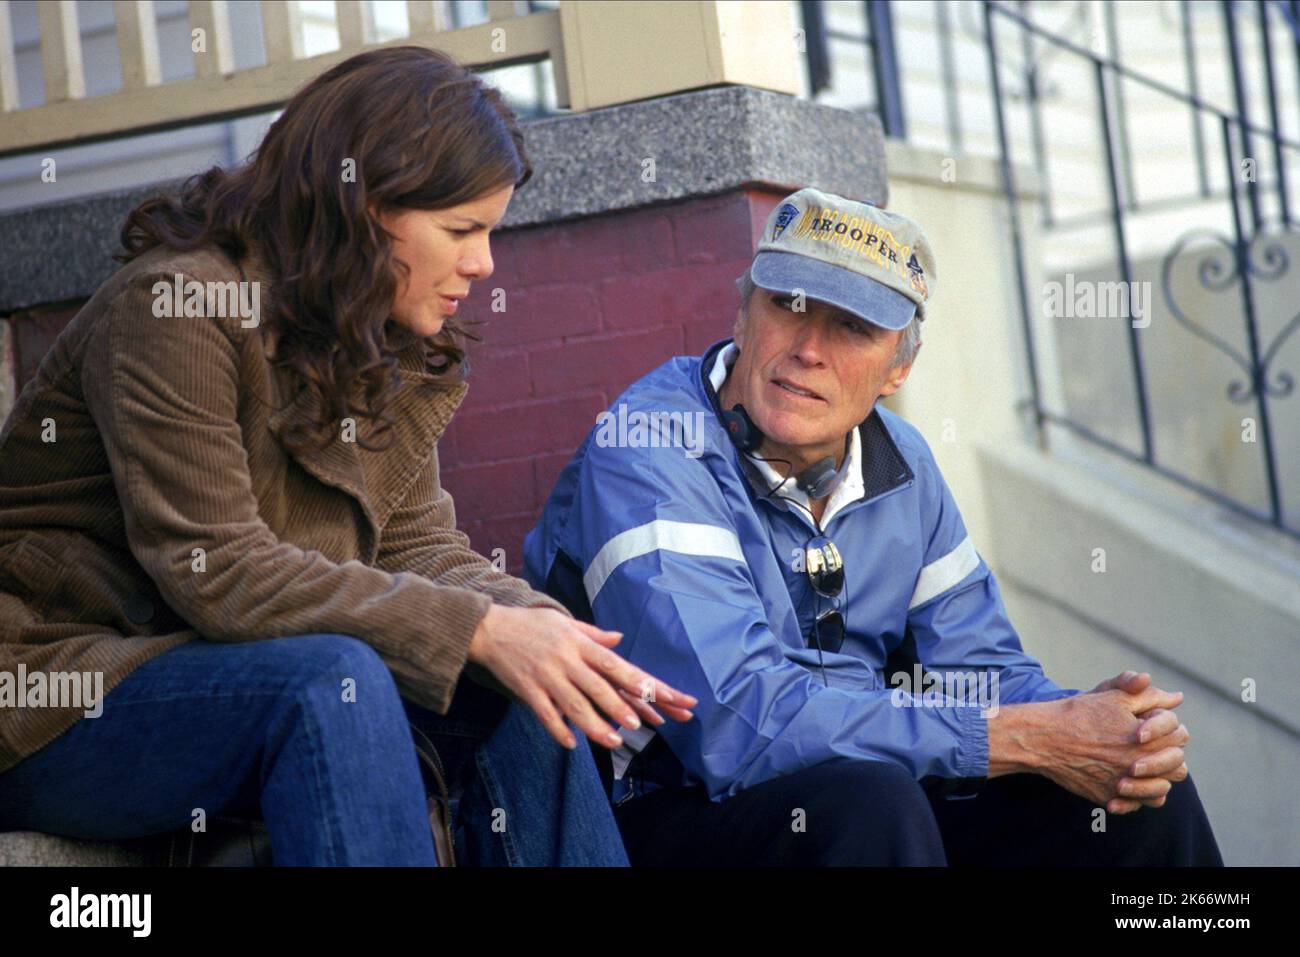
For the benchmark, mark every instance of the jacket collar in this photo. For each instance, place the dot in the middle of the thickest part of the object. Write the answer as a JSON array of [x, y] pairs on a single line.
[[421, 408], [880, 466]]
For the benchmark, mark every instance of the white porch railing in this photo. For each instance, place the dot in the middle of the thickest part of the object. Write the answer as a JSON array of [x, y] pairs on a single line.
[[602, 53], [218, 90]]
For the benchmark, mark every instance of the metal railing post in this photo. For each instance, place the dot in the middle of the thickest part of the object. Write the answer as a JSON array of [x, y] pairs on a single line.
[[1017, 244], [1243, 107], [1121, 111], [1194, 88], [884, 63], [951, 100], [1035, 114], [1279, 161], [1241, 250], [1126, 273], [819, 60]]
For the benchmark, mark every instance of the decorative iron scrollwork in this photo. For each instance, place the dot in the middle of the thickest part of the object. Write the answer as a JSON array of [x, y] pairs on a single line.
[[1220, 270]]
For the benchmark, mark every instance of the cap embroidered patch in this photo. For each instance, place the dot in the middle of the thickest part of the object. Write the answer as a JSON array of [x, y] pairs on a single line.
[[873, 263]]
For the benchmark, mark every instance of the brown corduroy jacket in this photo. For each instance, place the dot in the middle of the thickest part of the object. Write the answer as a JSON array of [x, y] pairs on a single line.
[[146, 500]]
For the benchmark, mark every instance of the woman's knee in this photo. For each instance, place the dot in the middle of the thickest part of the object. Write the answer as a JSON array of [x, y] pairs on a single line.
[[345, 664], [271, 665], [337, 683], [346, 650]]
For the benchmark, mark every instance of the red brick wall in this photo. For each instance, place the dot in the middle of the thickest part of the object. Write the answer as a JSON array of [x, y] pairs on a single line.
[[591, 305], [34, 331]]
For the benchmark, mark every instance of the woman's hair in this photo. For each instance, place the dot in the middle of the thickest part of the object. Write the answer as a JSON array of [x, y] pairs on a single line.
[[417, 131]]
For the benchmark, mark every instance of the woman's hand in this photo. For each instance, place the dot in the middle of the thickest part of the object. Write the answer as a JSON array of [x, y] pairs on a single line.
[[560, 666]]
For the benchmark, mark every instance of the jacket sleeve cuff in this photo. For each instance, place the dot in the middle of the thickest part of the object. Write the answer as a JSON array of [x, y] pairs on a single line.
[[973, 751], [460, 611], [1058, 694], [518, 595]]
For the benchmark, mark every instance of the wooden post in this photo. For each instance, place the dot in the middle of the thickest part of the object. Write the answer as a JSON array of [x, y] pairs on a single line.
[[356, 23], [213, 18], [506, 9], [428, 15], [616, 52], [8, 68], [61, 51], [282, 31], [137, 43]]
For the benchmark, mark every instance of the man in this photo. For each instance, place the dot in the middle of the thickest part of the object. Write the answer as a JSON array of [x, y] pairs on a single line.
[[800, 549]]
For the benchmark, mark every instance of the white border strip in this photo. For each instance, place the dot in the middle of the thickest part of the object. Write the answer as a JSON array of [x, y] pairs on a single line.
[[688, 538], [635, 741], [938, 576]]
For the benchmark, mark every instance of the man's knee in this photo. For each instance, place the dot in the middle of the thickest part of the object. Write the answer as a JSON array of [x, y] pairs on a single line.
[[1185, 836], [862, 812], [1029, 820]]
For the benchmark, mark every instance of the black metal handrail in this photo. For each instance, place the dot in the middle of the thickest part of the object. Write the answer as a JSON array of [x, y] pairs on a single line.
[[1236, 131], [1129, 73], [1250, 255]]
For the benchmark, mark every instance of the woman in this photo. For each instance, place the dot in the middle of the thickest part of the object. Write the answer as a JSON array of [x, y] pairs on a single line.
[[221, 520]]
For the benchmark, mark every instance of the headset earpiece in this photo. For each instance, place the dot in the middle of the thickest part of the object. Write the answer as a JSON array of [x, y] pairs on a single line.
[[744, 433], [815, 481]]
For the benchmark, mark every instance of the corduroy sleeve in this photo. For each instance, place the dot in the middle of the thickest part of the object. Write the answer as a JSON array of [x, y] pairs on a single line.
[[165, 393], [421, 537]]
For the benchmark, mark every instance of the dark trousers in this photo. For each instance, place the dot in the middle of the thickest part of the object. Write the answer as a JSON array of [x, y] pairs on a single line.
[[874, 813]]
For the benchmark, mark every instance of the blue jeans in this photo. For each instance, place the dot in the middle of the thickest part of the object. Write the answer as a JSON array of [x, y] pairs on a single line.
[[310, 732]]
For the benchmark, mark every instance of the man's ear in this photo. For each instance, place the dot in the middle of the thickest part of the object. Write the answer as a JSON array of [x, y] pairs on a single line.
[[898, 375], [738, 330]]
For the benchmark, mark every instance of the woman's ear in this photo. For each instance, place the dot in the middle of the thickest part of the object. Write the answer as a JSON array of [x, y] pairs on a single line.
[[383, 219]]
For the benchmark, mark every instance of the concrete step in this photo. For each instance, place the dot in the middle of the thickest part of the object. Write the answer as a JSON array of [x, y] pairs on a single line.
[[34, 849]]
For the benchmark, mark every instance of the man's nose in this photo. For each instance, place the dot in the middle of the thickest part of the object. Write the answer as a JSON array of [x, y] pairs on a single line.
[[810, 341]]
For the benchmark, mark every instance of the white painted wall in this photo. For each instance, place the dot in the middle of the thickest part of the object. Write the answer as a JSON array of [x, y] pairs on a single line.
[[1200, 597], [1204, 601]]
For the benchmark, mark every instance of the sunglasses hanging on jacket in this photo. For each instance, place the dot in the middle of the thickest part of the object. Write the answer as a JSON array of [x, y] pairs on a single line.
[[822, 560]]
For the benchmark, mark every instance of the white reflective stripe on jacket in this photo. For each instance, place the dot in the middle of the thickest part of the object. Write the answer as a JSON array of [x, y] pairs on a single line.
[[700, 573]]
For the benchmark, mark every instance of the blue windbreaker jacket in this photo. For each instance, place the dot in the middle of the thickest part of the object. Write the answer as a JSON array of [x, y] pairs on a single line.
[[676, 548]]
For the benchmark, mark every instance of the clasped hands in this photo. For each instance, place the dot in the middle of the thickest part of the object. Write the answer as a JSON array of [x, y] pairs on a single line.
[[1157, 735]]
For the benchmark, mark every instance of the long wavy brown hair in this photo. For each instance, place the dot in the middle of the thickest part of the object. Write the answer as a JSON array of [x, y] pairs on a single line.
[[423, 133]]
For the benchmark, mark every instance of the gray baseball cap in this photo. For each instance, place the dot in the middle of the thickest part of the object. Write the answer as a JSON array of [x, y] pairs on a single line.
[[876, 265]]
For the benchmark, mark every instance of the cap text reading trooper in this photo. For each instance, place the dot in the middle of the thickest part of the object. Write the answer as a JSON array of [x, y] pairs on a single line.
[[872, 263]]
